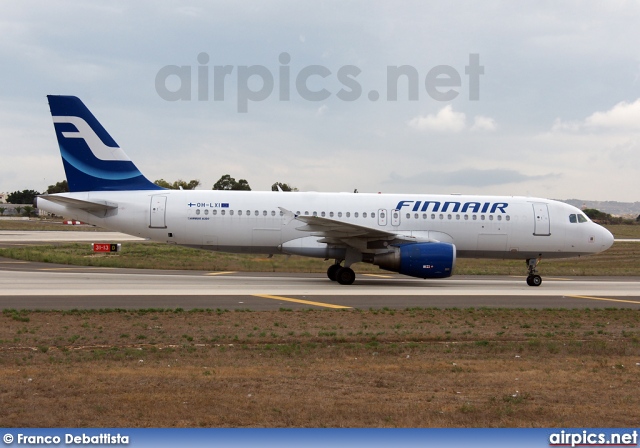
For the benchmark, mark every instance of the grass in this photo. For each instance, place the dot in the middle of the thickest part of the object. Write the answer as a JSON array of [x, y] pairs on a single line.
[[320, 368], [38, 224], [622, 259]]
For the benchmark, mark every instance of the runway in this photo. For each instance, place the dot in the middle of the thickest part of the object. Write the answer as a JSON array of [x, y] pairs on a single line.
[[27, 285]]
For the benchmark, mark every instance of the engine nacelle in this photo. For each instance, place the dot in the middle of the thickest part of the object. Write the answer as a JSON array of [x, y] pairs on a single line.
[[422, 260]]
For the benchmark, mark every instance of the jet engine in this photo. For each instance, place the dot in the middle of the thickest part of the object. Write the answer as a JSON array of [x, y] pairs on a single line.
[[422, 260]]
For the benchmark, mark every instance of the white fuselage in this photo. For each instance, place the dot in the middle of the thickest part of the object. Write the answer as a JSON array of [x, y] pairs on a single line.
[[258, 222]]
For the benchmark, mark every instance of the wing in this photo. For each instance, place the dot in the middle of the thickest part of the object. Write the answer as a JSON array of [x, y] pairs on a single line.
[[339, 232]]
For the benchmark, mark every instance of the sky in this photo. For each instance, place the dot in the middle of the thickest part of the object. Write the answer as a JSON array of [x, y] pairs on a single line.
[[534, 98]]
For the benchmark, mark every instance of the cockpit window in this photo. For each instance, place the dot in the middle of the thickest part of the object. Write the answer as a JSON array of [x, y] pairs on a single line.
[[573, 219], [582, 218]]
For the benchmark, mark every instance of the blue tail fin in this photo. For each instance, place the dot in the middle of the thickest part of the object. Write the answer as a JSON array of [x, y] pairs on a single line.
[[92, 160]]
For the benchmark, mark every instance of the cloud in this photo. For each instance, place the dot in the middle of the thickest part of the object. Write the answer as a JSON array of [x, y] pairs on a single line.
[[621, 117], [482, 123], [469, 177], [322, 110], [446, 120]]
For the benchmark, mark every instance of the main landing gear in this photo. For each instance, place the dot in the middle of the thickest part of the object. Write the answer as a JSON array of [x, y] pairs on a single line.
[[342, 275], [533, 279]]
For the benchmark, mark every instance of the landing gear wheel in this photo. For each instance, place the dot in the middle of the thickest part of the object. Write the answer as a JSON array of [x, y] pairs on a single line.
[[534, 280], [345, 276], [333, 271]]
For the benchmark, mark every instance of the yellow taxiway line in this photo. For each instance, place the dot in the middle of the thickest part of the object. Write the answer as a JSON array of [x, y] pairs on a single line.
[[221, 273], [605, 299], [304, 302]]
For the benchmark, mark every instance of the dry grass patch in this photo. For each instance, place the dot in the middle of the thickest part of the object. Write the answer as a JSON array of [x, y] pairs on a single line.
[[317, 368]]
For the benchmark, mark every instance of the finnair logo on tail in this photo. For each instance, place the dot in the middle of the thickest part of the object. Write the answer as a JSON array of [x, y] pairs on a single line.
[[95, 144]]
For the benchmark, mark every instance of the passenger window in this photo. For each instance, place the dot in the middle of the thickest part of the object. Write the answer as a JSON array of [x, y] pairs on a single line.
[[355, 214], [364, 214], [458, 217], [281, 213], [490, 217], [408, 215], [306, 213], [273, 213], [239, 212], [508, 218], [264, 213], [441, 216], [573, 219], [373, 215], [481, 217], [197, 211], [339, 214], [323, 214], [466, 217], [248, 212], [215, 212], [315, 213], [581, 218], [231, 212], [499, 217], [416, 216], [449, 216], [206, 211], [382, 215], [475, 217], [331, 214], [257, 213], [433, 216], [222, 212], [424, 216], [348, 214]]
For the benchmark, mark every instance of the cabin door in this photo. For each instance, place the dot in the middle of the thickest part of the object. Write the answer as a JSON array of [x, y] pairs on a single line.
[[158, 212], [541, 219]]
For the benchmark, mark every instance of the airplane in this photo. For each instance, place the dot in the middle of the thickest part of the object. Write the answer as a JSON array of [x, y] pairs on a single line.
[[418, 235]]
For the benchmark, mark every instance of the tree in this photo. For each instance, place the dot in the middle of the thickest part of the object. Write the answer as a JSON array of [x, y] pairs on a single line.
[[602, 217], [595, 214], [284, 187], [18, 210], [227, 182], [2, 210], [191, 185], [59, 187], [28, 210], [22, 197]]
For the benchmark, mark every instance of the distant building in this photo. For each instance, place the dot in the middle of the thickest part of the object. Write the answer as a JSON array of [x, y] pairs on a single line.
[[3, 198]]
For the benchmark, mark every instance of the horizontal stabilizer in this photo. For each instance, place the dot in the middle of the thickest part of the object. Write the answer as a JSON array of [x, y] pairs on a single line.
[[96, 207]]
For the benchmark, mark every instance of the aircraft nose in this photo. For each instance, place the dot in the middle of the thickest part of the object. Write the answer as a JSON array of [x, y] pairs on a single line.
[[606, 238]]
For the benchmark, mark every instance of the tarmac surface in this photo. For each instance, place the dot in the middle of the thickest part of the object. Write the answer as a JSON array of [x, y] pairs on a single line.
[[31, 285]]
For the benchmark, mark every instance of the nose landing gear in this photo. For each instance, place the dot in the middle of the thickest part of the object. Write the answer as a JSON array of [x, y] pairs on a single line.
[[533, 279]]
